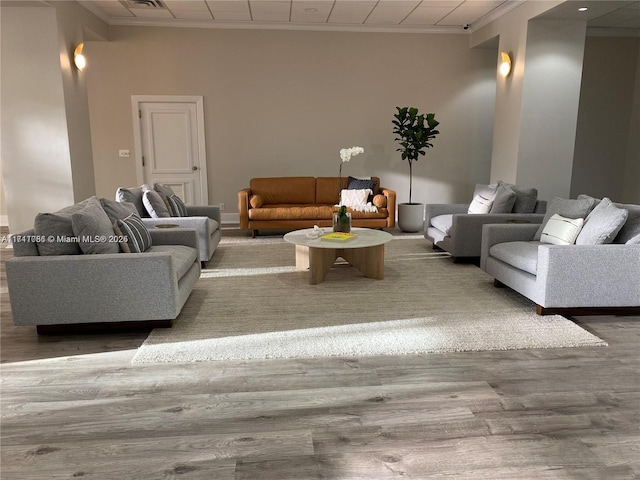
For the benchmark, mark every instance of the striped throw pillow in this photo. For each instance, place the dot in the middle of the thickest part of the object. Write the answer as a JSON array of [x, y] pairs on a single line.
[[178, 208], [136, 237]]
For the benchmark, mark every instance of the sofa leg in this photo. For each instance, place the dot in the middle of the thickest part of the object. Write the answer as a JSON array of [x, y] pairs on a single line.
[[101, 327], [498, 284], [203, 264], [578, 311], [254, 233]]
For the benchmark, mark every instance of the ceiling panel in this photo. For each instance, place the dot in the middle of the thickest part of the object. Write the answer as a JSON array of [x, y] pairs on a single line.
[[305, 11], [226, 10], [270, 10], [389, 12], [351, 12]]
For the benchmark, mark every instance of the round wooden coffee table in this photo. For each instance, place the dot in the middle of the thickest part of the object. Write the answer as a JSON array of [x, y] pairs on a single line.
[[365, 252]]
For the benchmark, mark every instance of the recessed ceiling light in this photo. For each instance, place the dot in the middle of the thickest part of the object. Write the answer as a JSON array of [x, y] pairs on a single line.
[[310, 10], [583, 9]]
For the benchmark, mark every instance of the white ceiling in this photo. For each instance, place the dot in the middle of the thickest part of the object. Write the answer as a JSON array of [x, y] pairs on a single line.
[[367, 15]]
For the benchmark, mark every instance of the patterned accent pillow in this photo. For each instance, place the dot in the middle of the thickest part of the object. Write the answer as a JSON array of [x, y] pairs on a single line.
[[178, 208], [480, 205], [138, 238], [360, 184], [560, 230]]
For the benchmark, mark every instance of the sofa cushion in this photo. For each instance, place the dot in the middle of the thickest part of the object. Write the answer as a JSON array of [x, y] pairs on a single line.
[[480, 204], [291, 212], [285, 190], [560, 230], [56, 231], [504, 200], [178, 208], [256, 201], [133, 195], [93, 229], [154, 204], [602, 224], [631, 227], [183, 256], [138, 238], [116, 210], [443, 223], [568, 208], [328, 190], [521, 255]]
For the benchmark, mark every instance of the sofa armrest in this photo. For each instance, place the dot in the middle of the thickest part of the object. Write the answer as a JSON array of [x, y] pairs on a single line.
[[210, 211], [589, 275], [174, 236], [391, 206], [92, 288], [493, 233], [243, 207], [434, 209]]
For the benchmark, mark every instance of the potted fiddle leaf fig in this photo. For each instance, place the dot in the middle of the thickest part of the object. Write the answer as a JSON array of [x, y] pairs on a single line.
[[414, 133]]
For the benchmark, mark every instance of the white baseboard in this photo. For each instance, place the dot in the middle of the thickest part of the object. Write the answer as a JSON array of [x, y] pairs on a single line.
[[230, 218], [4, 220]]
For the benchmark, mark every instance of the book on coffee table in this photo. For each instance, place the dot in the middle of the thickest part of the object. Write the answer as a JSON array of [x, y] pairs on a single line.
[[339, 236]]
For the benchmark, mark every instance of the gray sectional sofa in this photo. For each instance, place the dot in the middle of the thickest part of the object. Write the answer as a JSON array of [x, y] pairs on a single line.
[[153, 210], [451, 228], [55, 282], [600, 274]]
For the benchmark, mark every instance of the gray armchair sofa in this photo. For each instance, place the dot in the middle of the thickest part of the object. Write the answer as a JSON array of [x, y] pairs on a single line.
[[567, 279], [205, 219], [52, 291], [451, 228]]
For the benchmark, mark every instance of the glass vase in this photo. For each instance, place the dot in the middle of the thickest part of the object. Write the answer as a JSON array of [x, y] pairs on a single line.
[[342, 223]]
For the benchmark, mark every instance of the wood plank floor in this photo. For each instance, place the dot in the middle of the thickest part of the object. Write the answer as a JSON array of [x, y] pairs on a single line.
[[75, 407]]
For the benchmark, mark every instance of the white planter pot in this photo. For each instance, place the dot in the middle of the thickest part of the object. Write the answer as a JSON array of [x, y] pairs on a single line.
[[411, 217]]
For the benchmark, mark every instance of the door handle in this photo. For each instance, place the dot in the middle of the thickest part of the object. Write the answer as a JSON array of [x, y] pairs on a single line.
[[195, 167]]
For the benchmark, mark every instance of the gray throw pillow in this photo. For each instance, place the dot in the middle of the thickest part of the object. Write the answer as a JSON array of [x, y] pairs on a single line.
[[633, 241], [504, 200], [178, 208], [55, 233], [93, 230], [570, 208], [154, 204], [116, 210], [631, 227], [526, 198], [602, 224], [165, 191], [132, 195], [136, 235]]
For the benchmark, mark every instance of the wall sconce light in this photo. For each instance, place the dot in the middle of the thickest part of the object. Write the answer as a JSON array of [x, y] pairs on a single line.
[[78, 58], [505, 64]]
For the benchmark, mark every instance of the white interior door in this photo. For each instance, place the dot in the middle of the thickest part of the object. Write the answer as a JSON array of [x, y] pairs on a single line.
[[171, 144]]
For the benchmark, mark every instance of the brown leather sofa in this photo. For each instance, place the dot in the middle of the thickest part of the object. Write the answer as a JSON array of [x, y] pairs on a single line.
[[284, 203]]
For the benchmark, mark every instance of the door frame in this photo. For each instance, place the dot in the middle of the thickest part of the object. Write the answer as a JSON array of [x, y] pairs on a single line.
[[198, 100]]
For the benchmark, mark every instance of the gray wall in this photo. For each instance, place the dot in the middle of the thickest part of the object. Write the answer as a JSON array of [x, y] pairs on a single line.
[[285, 102], [607, 153]]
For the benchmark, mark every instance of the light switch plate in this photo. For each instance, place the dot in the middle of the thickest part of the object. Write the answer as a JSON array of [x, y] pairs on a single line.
[[124, 153]]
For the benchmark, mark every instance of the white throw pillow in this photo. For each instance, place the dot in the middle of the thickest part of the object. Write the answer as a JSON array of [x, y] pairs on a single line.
[[560, 230], [480, 204], [355, 198]]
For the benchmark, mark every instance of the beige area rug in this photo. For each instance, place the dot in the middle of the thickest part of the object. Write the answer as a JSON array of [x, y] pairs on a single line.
[[251, 303]]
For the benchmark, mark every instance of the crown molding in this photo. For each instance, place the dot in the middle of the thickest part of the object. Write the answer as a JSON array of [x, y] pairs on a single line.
[[323, 27]]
